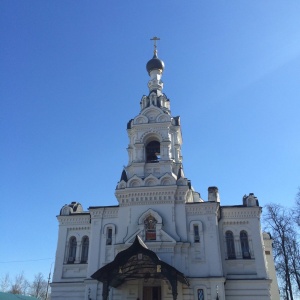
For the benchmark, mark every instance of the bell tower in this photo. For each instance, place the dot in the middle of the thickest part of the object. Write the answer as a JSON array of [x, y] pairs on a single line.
[[154, 150]]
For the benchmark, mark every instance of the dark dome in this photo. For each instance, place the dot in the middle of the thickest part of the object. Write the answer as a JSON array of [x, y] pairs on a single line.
[[155, 64]]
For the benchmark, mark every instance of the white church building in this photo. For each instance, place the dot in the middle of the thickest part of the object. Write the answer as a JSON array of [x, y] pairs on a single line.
[[162, 240]]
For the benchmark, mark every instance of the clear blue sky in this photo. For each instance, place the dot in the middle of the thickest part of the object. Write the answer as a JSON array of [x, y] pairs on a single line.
[[72, 74]]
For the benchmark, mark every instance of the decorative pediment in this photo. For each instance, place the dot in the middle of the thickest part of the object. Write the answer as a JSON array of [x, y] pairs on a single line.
[[152, 113], [135, 182], [167, 179], [151, 181], [150, 212], [140, 119], [122, 185], [163, 118]]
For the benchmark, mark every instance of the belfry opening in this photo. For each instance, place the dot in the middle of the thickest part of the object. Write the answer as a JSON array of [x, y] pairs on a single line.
[[153, 152]]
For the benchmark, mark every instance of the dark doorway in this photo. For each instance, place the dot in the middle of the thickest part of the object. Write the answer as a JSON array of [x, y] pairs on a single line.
[[152, 293]]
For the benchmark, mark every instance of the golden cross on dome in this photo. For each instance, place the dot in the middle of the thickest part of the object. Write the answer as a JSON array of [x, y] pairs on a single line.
[[155, 38]]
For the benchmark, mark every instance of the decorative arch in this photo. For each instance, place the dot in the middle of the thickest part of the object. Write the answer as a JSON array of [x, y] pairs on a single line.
[[151, 113], [150, 212], [152, 135], [140, 119], [151, 180], [163, 118], [135, 182], [122, 185], [167, 179]]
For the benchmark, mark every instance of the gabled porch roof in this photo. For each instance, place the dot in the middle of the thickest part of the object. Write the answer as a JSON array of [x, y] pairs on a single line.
[[138, 262]]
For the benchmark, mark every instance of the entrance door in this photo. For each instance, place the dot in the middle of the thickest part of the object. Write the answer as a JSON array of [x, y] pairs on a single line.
[[152, 293]]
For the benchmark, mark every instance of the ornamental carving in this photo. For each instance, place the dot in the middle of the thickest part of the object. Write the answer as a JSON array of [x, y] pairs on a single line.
[[74, 219], [235, 222], [201, 209], [241, 214]]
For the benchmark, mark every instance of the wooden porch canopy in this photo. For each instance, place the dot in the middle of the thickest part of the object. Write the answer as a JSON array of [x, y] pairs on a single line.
[[137, 262]]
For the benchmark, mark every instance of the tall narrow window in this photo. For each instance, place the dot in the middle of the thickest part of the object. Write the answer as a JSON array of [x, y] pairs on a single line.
[[72, 250], [85, 250], [245, 244], [153, 152], [230, 245], [150, 228], [200, 294], [196, 234], [109, 236]]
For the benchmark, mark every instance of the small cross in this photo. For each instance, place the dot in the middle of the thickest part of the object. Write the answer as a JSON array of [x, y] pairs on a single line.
[[155, 38]]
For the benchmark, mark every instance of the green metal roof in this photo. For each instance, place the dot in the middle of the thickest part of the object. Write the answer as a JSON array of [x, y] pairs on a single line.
[[8, 296]]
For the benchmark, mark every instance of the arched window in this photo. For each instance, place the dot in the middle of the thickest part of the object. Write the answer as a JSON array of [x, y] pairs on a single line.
[[109, 236], [150, 228], [200, 294], [196, 233], [153, 152], [85, 250], [72, 250], [245, 244], [230, 245]]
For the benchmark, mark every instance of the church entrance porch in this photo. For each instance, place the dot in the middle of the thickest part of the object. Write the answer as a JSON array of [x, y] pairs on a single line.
[[138, 262]]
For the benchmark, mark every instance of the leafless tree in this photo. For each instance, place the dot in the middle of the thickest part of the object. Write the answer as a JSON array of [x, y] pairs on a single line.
[[280, 222], [297, 208], [5, 283], [38, 287], [20, 285]]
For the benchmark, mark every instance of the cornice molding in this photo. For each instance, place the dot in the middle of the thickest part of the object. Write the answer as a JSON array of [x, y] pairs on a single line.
[[203, 208], [240, 212], [104, 212], [73, 219], [80, 228], [235, 222], [146, 197]]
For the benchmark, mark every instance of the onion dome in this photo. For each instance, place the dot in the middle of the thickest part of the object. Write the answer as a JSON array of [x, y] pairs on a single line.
[[155, 64]]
